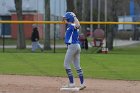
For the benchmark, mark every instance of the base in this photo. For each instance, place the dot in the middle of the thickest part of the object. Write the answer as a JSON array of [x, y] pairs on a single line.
[[70, 89]]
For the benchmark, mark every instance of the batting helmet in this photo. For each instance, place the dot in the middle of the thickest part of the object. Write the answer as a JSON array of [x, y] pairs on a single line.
[[69, 17]]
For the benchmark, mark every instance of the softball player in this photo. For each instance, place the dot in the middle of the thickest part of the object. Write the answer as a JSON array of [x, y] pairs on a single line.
[[35, 39], [73, 51]]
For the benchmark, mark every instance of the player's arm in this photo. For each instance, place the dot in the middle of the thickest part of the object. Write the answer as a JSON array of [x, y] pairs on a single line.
[[76, 21]]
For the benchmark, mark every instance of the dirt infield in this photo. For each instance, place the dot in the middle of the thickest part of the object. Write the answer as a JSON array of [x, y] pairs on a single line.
[[38, 84]]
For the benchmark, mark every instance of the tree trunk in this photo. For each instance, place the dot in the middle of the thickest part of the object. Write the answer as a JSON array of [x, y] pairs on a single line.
[[47, 45], [20, 33], [110, 37], [114, 12], [70, 5], [85, 15], [78, 9]]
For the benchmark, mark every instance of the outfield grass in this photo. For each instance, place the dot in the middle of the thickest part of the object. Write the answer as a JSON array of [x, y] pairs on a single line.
[[121, 63], [106, 66]]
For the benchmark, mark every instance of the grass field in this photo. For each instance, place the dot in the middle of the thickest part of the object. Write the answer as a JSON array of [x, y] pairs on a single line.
[[121, 63], [106, 66]]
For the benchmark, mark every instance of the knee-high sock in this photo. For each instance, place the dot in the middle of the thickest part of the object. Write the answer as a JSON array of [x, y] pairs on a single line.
[[70, 75], [80, 74]]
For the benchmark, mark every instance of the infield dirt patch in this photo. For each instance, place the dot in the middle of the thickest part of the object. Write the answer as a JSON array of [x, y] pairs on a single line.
[[38, 84]]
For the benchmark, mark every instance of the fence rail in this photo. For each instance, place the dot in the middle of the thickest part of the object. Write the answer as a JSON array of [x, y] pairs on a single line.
[[60, 22]]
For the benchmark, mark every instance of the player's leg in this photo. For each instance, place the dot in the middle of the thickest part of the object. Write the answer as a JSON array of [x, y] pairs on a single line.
[[67, 62], [76, 63], [39, 46], [33, 46], [80, 73], [78, 68]]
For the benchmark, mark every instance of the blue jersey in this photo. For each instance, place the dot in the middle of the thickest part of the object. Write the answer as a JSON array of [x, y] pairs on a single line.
[[71, 35]]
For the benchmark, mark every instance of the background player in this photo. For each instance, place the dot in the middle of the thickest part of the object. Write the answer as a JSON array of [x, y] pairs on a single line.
[[35, 39], [73, 51]]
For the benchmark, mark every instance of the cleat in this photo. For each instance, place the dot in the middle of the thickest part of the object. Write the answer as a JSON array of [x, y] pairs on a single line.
[[82, 86]]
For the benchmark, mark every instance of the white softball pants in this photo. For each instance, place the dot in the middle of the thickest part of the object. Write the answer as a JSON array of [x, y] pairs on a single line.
[[72, 56], [36, 45]]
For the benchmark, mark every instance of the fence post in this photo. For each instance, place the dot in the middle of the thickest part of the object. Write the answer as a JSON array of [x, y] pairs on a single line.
[[54, 37], [3, 37]]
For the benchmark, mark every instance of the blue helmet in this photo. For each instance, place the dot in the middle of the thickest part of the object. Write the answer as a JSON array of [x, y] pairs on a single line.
[[69, 17]]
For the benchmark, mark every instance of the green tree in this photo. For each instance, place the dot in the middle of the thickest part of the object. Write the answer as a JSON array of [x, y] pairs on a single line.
[[85, 15], [20, 33], [47, 26]]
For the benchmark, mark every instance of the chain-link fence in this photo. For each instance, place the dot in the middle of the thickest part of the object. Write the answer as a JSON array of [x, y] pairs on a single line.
[[90, 41], [14, 39]]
